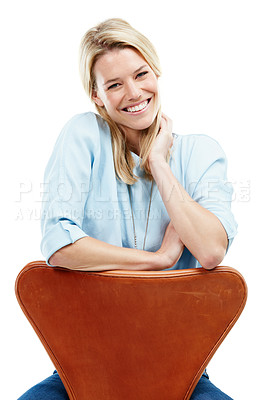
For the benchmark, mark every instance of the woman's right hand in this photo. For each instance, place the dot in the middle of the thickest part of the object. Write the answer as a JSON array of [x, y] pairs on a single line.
[[171, 248]]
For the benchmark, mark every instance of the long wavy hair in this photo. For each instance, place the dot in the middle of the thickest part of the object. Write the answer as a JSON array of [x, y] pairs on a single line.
[[108, 35]]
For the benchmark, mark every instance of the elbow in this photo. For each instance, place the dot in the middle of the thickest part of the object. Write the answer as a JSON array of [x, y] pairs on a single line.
[[66, 257], [61, 257], [54, 260], [212, 259]]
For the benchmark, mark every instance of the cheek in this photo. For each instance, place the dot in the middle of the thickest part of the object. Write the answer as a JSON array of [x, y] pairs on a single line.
[[111, 102], [156, 86], [153, 86]]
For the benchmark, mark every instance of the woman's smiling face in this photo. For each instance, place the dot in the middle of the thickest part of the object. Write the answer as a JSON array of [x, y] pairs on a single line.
[[128, 89]]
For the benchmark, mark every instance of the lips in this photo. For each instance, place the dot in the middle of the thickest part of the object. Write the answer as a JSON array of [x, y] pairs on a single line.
[[138, 107]]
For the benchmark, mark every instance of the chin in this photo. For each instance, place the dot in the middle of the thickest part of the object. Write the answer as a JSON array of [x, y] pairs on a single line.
[[139, 127], [143, 123]]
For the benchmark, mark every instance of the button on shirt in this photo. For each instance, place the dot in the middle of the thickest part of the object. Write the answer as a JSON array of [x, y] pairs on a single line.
[[84, 197]]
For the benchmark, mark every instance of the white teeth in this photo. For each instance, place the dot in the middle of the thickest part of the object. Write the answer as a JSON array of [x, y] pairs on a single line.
[[139, 107]]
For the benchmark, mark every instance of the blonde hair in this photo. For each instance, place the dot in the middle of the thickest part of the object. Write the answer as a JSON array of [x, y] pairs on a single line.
[[111, 34]]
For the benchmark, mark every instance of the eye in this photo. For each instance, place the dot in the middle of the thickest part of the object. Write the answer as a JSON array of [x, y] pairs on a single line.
[[113, 86], [141, 74]]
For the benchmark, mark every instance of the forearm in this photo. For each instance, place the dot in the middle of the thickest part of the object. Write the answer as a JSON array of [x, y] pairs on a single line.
[[199, 229], [89, 254]]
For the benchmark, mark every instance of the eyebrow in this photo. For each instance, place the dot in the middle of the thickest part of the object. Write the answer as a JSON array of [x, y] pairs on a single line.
[[116, 79]]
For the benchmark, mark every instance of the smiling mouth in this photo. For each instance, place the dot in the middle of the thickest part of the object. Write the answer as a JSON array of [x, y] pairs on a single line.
[[138, 107]]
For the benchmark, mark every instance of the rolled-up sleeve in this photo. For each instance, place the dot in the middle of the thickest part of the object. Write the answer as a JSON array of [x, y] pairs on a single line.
[[207, 183], [67, 184]]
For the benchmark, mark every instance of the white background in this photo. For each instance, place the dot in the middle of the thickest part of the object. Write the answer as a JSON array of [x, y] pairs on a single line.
[[213, 59]]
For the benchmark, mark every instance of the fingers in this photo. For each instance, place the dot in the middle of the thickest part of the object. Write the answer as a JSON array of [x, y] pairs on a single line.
[[163, 140], [166, 118], [166, 123]]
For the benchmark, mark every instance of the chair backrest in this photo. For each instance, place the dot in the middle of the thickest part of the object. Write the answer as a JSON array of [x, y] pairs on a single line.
[[130, 335]]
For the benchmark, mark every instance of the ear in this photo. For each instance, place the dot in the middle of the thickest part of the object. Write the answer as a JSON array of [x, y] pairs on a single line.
[[97, 99]]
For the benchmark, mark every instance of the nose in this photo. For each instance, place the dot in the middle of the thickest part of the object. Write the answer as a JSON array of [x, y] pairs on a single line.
[[133, 91]]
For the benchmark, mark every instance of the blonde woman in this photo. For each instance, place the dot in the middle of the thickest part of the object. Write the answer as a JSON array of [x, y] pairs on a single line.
[[124, 191]]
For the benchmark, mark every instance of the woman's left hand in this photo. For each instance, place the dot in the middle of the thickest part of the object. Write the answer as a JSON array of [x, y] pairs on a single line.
[[163, 141]]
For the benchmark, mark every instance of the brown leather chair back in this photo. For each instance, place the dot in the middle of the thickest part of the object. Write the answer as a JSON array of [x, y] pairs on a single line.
[[130, 335]]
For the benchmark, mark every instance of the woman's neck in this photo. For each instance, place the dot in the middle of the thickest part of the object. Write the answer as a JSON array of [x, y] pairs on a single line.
[[133, 140]]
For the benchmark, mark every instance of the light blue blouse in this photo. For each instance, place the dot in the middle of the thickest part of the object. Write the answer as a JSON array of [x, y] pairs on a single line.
[[83, 197]]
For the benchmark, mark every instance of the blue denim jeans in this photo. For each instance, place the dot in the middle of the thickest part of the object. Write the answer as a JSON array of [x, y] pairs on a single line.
[[52, 389]]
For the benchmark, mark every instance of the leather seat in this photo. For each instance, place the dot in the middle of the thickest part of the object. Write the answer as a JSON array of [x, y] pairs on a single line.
[[130, 335]]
